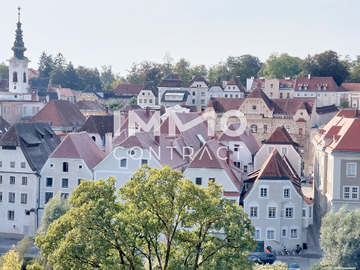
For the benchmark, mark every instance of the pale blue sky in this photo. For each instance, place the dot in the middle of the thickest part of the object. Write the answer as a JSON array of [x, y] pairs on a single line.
[[119, 32]]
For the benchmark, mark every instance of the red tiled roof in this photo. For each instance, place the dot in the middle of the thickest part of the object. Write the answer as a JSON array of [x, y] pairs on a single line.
[[351, 86], [171, 80], [315, 84], [60, 113], [280, 136], [221, 105], [79, 146], [291, 105], [236, 81], [87, 105], [341, 133], [212, 155]]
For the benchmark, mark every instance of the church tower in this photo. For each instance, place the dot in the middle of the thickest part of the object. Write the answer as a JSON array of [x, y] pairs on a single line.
[[18, 64]]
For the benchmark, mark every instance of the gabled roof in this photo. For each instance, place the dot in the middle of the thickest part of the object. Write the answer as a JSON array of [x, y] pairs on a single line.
[[126, 89], [60, 113], [152, 88], [277, 168], [198, 79], [172, 80], [258, 93], [341, 133], [221, 105], [280, 136], [99, 124], [235, 81], [315, 84], [246, 137], [211, 155], [36, 140], [79, 146]]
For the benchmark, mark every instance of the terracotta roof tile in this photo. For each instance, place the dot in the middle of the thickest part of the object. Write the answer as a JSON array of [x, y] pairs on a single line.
[[100, 124], [79, 146], [128, 89], [221, 105], [280, 136], [315, 84], [351, 86]]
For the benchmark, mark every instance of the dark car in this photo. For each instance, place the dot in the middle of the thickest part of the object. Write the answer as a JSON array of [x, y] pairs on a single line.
[[262, 257]]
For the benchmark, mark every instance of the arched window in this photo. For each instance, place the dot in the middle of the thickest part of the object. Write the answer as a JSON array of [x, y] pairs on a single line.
[[24, 77], [15, 78], [253, 128]]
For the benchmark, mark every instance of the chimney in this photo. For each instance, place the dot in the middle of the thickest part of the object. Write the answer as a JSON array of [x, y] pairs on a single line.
[[309, 76], [108, 142], [147, 111], [357, 113]]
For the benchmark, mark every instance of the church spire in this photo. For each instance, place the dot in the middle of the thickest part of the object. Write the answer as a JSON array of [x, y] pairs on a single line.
[[19, 46]]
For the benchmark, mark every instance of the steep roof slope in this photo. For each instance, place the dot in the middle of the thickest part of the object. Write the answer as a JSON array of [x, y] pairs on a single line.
[[37, 141], [79, 146], [280, 136], [99, 124], [60, 113]]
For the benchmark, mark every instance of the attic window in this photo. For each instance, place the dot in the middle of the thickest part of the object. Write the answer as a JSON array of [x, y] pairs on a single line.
[[65, 167]]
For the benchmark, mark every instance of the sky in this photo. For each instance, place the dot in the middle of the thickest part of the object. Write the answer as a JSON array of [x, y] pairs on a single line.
[[119, 33]]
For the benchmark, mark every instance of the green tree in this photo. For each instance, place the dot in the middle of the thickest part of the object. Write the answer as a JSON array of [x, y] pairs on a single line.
[[46, 65], [276, 266], [89, 79], [183, 69], [218, 73], [340, 238], [327, 63], [55, 208], [11, 261], [355, 70], [146, 71], [149, 223], [281, 66], [71, 78], [244, 66], [107, 77], [4, 71]]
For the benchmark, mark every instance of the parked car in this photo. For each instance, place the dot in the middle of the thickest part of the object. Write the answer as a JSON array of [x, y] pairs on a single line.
[[293, 266], [262, 257]]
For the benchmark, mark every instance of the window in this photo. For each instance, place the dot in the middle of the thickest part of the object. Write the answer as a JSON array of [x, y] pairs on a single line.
[[237, 164], [283, 233], [23, 165], [236, 147], [265, 128], [65, 167], [1, 194], [11, 197], [140, 100], [49, 182], [281, 95], [0, 179], [272, 212], [0, 163], [254, 107], [23, 198], [286, 193], [65, 183], [15, 77], [150, 100], [304, 212], [351, 192], [12, 180], [310, 211], [79, 181], [293, 233], [48, 196], [212, 179], [300, 131], [51, 165], [144, 162], [351, 169], [253, 211], [12, 164], [289, 212], [263, 192], [253, 128], [64, 195], [11, 215], [257, 234], [287, 95], [123, 163], [24, 180], [24, 77], [284, 150], [245, 168], [198, 181], [270, 235]]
